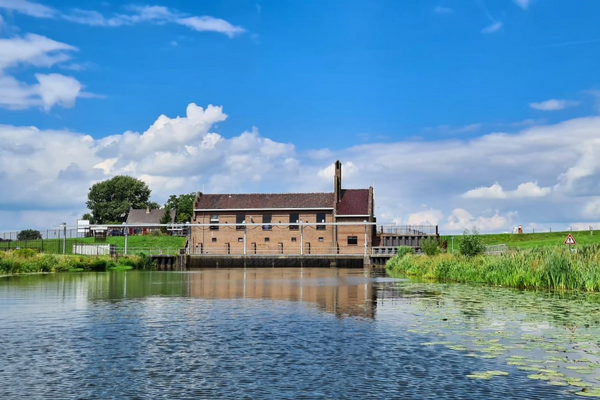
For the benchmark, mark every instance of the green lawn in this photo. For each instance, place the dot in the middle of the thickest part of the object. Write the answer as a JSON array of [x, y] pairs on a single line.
[[532, 240], [135, 244]]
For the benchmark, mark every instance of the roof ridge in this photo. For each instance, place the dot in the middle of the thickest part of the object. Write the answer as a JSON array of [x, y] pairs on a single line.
[[254, 194]]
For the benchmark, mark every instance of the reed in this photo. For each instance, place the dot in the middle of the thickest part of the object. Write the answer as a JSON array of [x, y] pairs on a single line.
[[29, 261], [554, 268]]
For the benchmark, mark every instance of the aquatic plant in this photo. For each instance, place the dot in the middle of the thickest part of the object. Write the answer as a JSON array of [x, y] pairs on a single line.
[[555, 268]]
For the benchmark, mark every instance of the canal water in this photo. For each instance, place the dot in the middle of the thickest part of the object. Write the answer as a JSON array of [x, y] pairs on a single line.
[[290, 333]]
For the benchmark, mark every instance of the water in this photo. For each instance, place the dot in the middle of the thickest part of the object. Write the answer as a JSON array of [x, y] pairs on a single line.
[[289, 333]]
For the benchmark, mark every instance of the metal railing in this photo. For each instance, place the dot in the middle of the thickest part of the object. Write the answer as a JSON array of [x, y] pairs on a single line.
[[417, 230], [279, 251], [496, 250]]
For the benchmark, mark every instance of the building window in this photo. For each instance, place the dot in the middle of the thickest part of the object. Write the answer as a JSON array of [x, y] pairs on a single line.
[[214, 240], [214, 222], [293, 239], [240, 239], [320, 218], [267, 222], [352, 240], [321, 239], [239, 222], [267, 240], [294, 218]]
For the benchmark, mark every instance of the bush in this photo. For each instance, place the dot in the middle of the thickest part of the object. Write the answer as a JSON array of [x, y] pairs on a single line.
[[471, 243], [29, 234], [404, 250], [145, 262], [25, 253], [430, 246]]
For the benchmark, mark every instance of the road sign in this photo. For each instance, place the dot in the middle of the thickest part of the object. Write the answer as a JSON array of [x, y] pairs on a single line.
[[570, 240]]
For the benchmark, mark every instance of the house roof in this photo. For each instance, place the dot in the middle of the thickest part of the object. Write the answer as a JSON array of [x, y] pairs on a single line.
[[256, 201], [354, 202], [140, 216]]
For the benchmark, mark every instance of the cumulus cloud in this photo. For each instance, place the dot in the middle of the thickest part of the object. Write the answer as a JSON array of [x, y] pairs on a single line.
[[211, 24], [524, 190], [51, 89], [553, 105], [52, 170], [524, 4]]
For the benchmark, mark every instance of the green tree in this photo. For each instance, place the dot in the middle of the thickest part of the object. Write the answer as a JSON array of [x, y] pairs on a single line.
[[430, 245], [87, 217], [166, 219], [29, 234], [471, 244], [184, 206], [110, 200]]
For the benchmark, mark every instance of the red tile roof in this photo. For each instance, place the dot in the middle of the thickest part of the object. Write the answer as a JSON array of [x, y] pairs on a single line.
[[354, 202], [257, 201]]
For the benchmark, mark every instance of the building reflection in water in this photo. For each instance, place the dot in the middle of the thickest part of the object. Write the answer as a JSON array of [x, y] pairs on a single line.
[[343, 292]]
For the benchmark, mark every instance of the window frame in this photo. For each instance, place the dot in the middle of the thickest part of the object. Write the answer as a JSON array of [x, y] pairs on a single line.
[[295, 221], [267, 224], [239, 224], [355, 239], [324, 219], [214, 222]]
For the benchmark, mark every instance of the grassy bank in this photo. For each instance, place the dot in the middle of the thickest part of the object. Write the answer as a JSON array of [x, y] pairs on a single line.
[[532, 240], [554, 268], [29, 261], [136, 244]]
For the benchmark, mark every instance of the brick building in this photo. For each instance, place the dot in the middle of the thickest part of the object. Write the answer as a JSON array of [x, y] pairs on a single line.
[[284, 223]]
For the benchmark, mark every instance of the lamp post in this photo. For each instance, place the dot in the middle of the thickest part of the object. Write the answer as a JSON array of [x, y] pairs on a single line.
[[64, 226], [126, 229]]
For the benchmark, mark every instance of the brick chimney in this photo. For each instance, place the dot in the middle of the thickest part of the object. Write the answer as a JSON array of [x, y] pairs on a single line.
[[337, 182]]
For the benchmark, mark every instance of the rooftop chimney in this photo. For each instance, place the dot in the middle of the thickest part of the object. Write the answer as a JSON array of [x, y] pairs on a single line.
[[147, 209], [337, 182]]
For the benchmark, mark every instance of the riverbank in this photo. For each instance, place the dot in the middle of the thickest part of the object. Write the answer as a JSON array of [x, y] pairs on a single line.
[[551, 268], [27, 261], [529, 240]]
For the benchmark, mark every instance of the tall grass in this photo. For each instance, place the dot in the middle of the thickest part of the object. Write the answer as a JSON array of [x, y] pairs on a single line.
[[554, 268], [29, 261]]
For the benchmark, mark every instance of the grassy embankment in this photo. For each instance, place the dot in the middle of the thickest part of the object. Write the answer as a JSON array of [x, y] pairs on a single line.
[[30, 261], [531, 240], [551, 267], [136, 244]]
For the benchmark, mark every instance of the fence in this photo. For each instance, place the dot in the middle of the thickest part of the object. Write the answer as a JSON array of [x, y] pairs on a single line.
[[416, 230], [496, 250]]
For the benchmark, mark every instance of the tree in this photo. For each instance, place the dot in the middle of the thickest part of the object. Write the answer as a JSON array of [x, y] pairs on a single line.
[[29, 234], [86, 217], [184, 206], [166, 219], [110, 200], [471, 243]]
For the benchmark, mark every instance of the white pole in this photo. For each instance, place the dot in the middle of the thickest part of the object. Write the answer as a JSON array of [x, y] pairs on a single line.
[[244, 222], [301, 238], [365, 238]]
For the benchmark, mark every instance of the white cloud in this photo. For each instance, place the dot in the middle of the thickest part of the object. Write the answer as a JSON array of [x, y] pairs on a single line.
[[524, 4], [461, 219], [54, 169], [32, 49], [28, 8], [425, 217], [211, 24], [135, 14], [493, 27], [524, 190], [553, 105], [51, 89]]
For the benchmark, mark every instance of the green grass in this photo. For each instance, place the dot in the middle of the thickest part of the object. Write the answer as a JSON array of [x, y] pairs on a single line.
[[135, 244], [551, 267], [531, 240]]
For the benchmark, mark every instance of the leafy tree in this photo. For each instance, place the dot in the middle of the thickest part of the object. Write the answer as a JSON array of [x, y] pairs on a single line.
[[471, 243], [110, 200], [166, 219], [430, 246], [87, 217], [184, 206], [29, 234]]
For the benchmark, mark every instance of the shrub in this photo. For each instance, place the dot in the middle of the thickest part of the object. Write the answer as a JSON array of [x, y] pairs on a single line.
[[404, 250], [430, 246], [145, 262], [29, 234], [25, 253], [471, 243]]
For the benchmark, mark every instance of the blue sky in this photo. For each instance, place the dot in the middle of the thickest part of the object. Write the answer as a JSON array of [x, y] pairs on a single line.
[[309, 82]]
